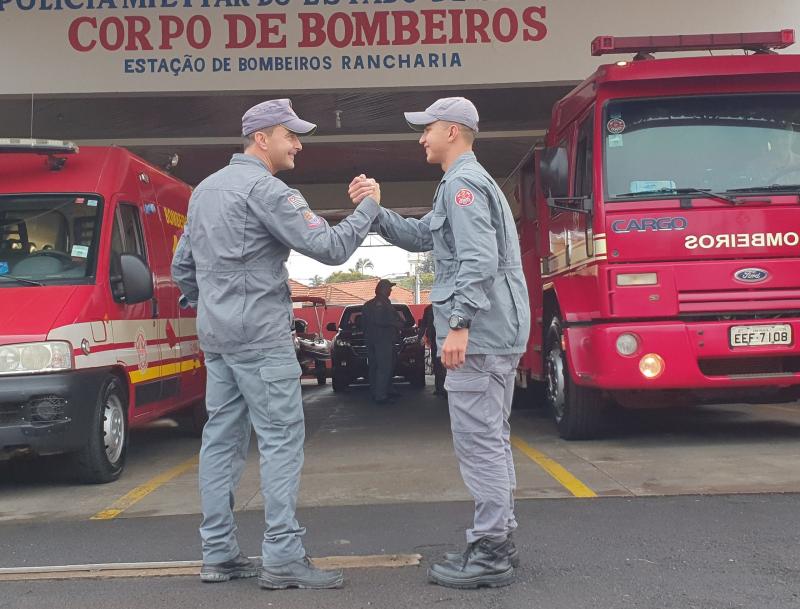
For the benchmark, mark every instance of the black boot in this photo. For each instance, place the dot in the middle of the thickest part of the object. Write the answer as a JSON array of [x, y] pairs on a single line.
[[513, 555], [485, 563]]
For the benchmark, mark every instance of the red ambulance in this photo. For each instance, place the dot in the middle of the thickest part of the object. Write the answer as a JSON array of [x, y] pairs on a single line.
[[92, 339]]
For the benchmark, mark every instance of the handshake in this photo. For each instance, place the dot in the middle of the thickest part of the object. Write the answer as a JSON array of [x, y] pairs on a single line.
[[362, 187]]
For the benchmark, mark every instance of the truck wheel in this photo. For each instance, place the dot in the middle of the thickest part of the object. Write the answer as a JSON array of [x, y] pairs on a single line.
[[575, 409], [417, 378], [339, 381], [321, 372], [102, 459]]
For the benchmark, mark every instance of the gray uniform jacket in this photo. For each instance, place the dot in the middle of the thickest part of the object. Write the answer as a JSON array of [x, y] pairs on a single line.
[[230, 261], [476, 252]]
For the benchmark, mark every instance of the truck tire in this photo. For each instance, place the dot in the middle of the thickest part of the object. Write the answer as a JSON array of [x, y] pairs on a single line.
[[102, 459], [320, 372], [417, 377], [339, 381], [576, 410]]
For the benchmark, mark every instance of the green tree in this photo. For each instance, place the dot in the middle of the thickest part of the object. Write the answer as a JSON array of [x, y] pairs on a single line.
[[361, 265], [340, 276], [425, 281], [317, 281], [425, 263]]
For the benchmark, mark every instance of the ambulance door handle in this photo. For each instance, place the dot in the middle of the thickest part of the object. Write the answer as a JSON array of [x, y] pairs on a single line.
[[154, 304]]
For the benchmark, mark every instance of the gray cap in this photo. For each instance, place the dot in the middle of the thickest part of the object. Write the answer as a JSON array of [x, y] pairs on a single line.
[[453, 109], [275, 112]]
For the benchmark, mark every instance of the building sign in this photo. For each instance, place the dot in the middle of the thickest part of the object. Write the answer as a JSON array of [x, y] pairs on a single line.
[[80, 46]]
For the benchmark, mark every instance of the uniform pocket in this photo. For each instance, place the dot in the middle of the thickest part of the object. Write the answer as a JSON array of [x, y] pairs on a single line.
[[466, 396], [443, 244], [441, 293], [284, 402], [437, 221]]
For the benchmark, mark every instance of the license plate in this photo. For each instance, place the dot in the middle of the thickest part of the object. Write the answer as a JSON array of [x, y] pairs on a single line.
[[756, 336]]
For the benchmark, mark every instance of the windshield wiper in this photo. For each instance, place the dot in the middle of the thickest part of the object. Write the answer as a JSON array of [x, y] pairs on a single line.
[[790, 188], [701, 192], [21, 280]]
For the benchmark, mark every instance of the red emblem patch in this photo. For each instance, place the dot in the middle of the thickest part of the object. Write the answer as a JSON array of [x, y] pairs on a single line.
[[464, 197]]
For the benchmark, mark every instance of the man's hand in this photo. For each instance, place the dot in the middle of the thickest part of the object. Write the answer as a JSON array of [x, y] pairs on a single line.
[[362, 187], [454, 350]]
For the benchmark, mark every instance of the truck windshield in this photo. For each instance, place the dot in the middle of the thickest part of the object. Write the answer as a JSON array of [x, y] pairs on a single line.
[[48, 239], [716, 143]]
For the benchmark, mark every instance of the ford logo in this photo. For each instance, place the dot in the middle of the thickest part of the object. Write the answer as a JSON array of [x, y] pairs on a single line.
[[751, 275]]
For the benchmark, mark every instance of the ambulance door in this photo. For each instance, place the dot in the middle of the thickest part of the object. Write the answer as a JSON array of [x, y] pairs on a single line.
[[135, 328], [164, 299]]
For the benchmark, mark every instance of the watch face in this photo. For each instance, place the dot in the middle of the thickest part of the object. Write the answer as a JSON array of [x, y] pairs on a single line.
[[455, 322]]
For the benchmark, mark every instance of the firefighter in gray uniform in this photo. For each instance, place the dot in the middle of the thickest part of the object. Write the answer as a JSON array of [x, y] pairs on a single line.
[[230, 265], [482, 319]]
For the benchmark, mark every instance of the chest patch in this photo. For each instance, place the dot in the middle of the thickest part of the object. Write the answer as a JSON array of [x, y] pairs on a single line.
[[465, 197]]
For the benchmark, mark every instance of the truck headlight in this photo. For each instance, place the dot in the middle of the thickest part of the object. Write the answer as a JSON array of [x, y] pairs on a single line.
[[627, 344], [31, 358]]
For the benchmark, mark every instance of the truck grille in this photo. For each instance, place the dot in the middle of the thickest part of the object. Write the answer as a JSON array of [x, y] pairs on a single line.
[[738, 301], [750, 366]]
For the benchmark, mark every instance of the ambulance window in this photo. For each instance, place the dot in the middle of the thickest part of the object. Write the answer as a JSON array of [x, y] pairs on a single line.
[[583, 160], [133, 243], [126, 236]]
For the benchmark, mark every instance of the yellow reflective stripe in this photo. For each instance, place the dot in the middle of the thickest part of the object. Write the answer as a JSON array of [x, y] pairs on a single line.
[[160, 371]]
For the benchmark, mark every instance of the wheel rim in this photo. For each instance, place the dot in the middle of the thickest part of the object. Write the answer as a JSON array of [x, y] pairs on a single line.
[[555, 378], [113, 428]]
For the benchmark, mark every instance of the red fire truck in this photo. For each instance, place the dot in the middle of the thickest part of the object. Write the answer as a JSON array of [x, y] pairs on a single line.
[[660, 230], [92, 339]]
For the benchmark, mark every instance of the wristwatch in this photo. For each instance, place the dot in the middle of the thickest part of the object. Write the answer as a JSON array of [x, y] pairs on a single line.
[[456, 322]]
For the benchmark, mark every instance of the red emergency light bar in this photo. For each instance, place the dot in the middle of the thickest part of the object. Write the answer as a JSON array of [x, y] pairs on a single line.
[[754, 41]]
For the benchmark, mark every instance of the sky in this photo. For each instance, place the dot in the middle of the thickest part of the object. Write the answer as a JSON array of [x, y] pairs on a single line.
[[388, 260]]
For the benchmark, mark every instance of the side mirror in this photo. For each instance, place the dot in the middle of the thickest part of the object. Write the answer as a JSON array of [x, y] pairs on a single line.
[[554, 173], [331, 327], [136, 280]]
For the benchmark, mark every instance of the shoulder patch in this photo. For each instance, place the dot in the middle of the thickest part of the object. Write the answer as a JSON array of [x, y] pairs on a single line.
[[312, 219], [465, 197], [297, 201]]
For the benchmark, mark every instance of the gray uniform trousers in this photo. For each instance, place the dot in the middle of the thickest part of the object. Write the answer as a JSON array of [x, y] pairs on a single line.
[[480, 395], [261, 387]]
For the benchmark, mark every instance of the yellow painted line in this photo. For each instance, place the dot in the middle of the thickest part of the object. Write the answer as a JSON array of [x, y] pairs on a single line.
[[140, 492], [190, 567], [781, 408], [557, 471]]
